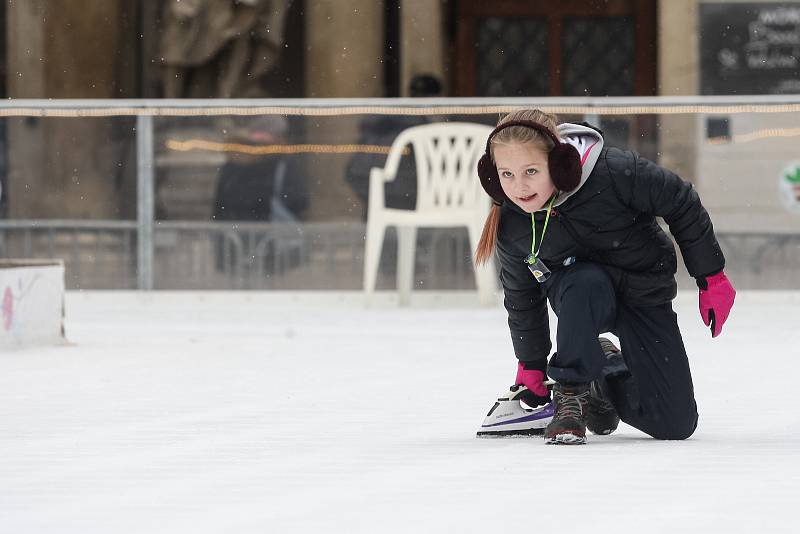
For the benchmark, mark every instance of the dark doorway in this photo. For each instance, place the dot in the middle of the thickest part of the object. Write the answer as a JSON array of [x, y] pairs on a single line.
[[512, 48], [567, 48]]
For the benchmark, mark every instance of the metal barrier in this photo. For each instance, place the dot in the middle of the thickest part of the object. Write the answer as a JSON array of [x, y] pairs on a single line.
[[96, 254], [210, 255], [147, 253]]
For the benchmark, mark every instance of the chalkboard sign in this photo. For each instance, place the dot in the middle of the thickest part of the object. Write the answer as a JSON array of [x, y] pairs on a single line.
[[750, 48]]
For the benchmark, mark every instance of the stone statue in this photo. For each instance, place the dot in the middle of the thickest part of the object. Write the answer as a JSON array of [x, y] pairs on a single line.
[[220, 48]]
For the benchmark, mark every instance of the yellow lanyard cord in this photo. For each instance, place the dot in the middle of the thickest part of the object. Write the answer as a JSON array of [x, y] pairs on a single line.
[[534, 253]]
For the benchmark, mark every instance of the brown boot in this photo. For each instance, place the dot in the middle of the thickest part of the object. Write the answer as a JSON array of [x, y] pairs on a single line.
[[602, 418], [568, 426]]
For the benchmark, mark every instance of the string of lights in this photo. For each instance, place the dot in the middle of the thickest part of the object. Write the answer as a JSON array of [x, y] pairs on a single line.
[[755, 136], [213, 146]]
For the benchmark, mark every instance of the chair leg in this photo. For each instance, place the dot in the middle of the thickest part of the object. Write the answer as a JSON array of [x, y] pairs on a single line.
[[372, 256], [485, 275], [406, 249]]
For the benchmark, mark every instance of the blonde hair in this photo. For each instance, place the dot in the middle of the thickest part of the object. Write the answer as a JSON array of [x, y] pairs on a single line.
[[508, 136]]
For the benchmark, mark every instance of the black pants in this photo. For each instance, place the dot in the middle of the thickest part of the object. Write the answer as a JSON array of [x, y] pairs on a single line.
[[652, 390]]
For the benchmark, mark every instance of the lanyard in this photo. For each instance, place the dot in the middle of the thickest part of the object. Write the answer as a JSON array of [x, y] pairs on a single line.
[[530, 260]]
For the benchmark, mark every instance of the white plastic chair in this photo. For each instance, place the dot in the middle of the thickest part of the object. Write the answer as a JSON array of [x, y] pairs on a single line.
[[449, 194]]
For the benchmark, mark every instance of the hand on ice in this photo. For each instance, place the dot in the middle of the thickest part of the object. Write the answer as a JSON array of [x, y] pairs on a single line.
[[716, 299]]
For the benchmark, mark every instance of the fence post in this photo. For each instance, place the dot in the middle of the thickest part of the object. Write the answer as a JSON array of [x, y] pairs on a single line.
[[145, 201]]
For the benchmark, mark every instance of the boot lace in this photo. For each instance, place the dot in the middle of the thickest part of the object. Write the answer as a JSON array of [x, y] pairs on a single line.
[[570, 404]]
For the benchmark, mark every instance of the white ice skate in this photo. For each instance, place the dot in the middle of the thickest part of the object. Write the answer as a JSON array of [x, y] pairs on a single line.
[[508, 417]]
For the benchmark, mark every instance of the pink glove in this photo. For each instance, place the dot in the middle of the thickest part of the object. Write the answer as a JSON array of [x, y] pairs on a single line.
[[538, 394], [716, 300]]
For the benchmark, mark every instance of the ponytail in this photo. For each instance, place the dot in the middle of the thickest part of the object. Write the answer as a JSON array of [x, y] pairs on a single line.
[[488, 238]]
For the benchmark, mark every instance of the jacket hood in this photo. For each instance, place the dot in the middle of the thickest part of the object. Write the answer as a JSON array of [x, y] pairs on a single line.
[[588, 142]]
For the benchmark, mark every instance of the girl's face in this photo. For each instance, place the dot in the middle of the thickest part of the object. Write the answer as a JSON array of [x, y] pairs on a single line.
[[524, 175]]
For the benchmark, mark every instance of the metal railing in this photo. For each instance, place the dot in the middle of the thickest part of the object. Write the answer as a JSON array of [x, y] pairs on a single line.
[[202, 255]]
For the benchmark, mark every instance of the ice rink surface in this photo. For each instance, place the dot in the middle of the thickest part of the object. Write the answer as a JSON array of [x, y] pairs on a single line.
[[190, 413]]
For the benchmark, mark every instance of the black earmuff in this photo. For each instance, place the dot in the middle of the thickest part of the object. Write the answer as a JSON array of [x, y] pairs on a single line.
[[563, 162]]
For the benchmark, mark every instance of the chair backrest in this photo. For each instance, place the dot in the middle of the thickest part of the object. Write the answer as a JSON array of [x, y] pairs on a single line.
[[446, 157]]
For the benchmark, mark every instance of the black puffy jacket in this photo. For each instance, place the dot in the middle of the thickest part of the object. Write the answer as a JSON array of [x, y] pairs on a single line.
[[610, 221]]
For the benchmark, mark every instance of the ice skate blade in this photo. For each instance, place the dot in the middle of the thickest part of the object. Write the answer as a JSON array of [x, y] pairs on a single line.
[[507, 418], [511, 433], [566, 439]]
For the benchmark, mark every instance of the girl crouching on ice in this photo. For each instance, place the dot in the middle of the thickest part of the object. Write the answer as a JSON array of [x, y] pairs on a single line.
[[575, 223]]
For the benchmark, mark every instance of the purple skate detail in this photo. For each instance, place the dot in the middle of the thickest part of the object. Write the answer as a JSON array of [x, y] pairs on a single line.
[[547, 411]]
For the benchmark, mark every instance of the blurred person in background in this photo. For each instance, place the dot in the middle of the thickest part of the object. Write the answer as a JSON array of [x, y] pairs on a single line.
[[382, 130], [260, 187]]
